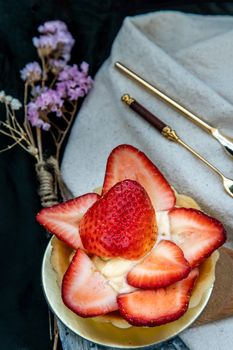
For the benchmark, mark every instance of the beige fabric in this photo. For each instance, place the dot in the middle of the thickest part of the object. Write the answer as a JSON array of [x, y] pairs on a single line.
[[190, 58]]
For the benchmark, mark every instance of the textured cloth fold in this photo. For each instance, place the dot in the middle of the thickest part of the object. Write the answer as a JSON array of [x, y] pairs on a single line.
[[189, 57]]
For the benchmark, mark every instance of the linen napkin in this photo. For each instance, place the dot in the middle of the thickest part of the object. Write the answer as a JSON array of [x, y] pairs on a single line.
[[189, 57]]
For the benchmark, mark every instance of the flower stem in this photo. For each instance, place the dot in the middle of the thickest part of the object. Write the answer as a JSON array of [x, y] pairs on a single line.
[[53, 81], [39, 144], [64, 117], [8, 120], [13, 131], [59, 144], [44, 71], [26, 123], [17, 140]]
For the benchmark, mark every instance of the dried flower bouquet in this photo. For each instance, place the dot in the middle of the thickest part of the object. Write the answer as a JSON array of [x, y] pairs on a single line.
[[52, 89]]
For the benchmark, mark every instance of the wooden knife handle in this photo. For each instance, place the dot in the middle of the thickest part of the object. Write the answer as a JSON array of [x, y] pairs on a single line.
[[144, 113]]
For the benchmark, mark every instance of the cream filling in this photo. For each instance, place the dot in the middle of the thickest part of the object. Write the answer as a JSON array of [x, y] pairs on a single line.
[[163, 225], [116, 269]]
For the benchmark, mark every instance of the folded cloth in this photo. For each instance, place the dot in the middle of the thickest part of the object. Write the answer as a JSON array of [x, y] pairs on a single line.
[[189, 57]]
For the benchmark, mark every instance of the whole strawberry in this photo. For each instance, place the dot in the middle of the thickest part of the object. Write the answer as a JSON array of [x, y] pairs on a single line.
[[121, 223]]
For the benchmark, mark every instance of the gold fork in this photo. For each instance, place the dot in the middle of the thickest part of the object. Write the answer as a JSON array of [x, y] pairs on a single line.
[[171, 135]]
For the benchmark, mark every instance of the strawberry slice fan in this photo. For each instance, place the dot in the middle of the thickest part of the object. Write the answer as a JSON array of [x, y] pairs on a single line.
[[122, 223]]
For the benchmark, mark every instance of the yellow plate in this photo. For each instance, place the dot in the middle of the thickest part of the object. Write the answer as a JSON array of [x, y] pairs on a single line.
[[107, 334]]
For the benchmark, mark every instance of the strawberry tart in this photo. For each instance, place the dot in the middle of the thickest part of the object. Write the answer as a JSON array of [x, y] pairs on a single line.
[[132, 254]]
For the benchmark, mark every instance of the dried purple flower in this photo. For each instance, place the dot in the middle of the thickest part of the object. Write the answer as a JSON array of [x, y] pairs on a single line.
[[75, 93], [45, 44], [45, 103], [84, 67], [33, 115], [56, 65], [37, 90], [31, 72], [55, 41], [50, 101], [52, 27], [74, 83]]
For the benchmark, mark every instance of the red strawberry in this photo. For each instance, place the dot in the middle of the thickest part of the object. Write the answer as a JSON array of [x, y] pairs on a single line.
[[163, 266], [63, 219], [196, 233], [122, 223], [127, 162], [85, 290], [155, 307]]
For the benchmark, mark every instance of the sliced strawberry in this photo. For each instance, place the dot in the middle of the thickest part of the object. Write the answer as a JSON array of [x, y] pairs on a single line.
[[127, 162], [155, 307], [85, 290], [163, 266], [122, 223], [62, 220], [196, 233]]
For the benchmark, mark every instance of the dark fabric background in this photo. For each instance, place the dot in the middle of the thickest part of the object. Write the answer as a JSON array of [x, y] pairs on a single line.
[[94, 24]]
